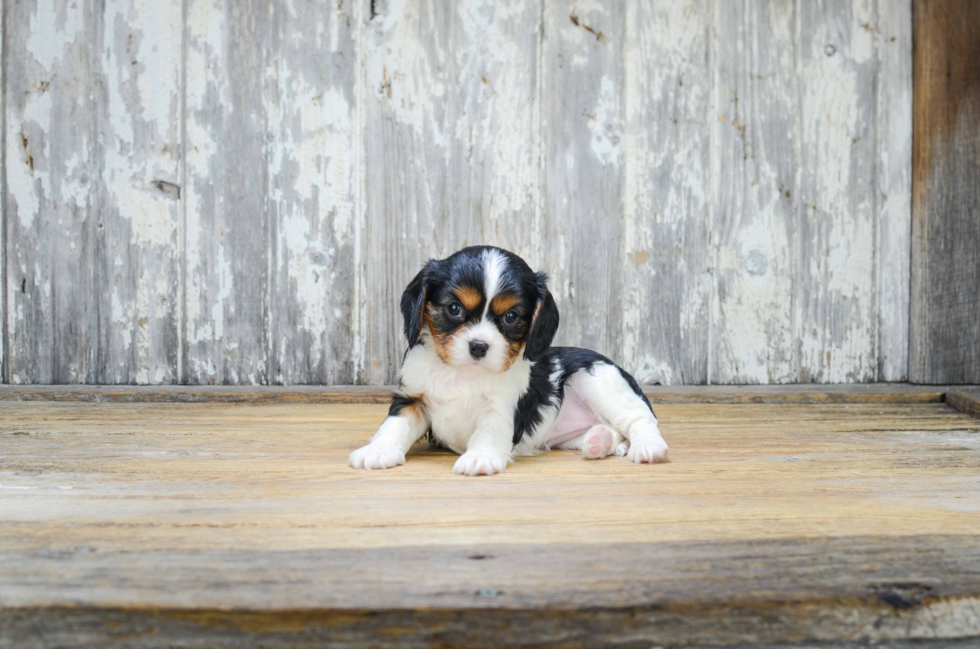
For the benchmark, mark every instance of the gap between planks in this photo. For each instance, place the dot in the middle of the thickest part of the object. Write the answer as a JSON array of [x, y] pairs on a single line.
[[964, 398]]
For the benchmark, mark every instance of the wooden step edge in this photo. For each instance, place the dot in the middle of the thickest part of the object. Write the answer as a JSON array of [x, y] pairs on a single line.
[[779, 625], [966, 400], [895, 393]]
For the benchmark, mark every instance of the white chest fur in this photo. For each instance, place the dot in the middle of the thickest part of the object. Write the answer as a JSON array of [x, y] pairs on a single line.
[[461, 400]]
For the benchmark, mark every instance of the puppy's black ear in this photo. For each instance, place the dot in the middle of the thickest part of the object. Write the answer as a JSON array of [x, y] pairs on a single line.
[[544, 324], [413, 303]]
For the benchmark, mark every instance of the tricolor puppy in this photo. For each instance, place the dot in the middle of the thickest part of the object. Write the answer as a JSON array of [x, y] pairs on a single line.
[[481, 374]]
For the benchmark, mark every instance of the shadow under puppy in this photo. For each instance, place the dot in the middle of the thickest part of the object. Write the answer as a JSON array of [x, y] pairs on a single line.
[[481, 374]]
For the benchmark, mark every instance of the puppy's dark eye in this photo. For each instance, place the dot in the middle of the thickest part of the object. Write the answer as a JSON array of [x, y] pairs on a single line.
[[455, 309], [510, 317]]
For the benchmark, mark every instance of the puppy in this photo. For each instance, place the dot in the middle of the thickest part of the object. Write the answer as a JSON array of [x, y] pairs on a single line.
[[480, 374]]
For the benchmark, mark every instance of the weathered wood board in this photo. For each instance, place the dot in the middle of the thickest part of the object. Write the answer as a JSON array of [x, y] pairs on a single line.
[[3, 207], [582, 128], [966, 400], [894, 179], [755, 194], [92, 205], [272, 141], [237, 192], [664, 264], [836, 593], [945, 300], [224, 525]]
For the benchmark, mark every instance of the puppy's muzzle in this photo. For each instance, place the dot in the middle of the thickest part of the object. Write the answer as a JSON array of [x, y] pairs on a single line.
[[478, 349]]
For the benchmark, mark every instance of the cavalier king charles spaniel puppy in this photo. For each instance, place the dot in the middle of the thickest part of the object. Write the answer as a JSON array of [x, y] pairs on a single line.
[[480, 375]]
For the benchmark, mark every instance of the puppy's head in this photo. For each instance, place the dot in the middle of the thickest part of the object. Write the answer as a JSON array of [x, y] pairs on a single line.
[[482, 307]]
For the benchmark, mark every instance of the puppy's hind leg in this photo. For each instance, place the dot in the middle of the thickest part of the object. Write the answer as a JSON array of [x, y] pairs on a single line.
[[597, 442], [600, 441], [607, 393]]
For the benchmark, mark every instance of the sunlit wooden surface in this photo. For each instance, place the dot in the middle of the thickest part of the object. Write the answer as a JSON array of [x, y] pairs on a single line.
[[111, 505]]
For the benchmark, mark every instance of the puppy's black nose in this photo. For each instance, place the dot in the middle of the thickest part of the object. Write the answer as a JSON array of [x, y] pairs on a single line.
[[478, 349]]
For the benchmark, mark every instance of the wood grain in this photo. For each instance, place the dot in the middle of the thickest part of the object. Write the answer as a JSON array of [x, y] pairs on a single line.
[[270, 207], [665, 274], [3, 204], [945, 302], [837, 316], [92, 204], [312, 152], [191, 476], [890, 592], [720, 191], [966, 400], [755, 194], [44, 131], [582, 127], [132, 525], [893, 82], [228, 244]]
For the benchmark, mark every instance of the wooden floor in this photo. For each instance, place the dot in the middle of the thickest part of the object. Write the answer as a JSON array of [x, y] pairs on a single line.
[[240, 525]]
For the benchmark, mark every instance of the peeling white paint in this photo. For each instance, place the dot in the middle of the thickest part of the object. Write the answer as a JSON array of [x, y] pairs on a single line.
[[894, 182], [52, 24], [840, 213], [208, 275], [651, 370], [663, 190], [605, 125], [25, 184], [700, 142], [404, 77]]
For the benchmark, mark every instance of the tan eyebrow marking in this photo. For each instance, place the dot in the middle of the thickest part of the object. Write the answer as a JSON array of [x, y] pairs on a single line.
[[503, 303], [469, 296]]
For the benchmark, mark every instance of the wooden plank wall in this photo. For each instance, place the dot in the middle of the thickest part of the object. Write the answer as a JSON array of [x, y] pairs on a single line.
[[945, 300], [236, 192]]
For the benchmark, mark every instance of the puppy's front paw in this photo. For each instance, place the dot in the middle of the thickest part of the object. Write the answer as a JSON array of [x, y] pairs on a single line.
[[647, 448], [479, 463], [376, 456]]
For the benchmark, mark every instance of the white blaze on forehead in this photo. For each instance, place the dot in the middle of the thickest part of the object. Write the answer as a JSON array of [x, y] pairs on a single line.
[[494, 264]]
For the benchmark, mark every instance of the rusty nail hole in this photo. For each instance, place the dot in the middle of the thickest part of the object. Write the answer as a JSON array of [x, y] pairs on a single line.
[[168, 189]]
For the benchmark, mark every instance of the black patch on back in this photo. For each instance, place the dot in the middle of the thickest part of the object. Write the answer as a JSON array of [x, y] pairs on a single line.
[[573, 360], [541, 393]]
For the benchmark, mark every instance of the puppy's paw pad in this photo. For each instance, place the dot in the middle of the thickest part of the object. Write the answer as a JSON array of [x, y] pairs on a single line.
[[376, 456], [598, 442], [647, 448], [622, 449], [479, 463]]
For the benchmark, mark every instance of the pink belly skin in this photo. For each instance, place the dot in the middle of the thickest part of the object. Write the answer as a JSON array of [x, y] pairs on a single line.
[[573, 419]]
